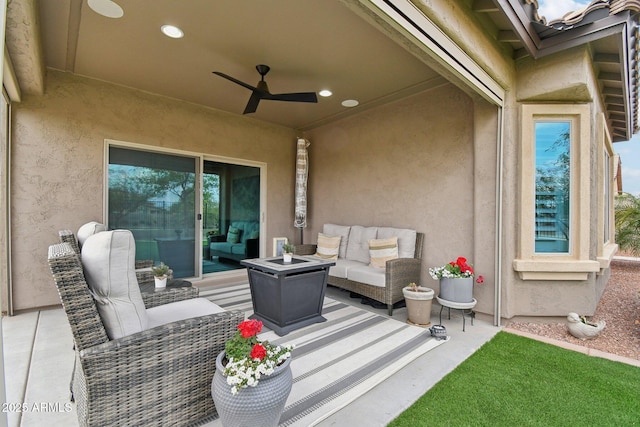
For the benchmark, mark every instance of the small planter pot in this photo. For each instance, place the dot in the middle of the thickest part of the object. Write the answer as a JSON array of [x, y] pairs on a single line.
[[458, 289], [161, 282], [287, 257], [261, 405], [419, 305]]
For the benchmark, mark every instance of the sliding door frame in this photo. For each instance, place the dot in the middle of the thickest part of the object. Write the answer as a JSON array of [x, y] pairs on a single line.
[[200, 158]]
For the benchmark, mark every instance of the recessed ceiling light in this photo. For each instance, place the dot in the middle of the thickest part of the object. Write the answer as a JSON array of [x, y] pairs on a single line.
[[349, 103], [172, 31], [106, 8], [325, 93]]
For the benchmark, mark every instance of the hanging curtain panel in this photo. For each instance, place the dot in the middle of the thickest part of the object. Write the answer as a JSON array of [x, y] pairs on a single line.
[[302, 174]]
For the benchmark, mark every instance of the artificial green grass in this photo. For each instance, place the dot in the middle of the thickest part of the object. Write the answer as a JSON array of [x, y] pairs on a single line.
[[517, 381]]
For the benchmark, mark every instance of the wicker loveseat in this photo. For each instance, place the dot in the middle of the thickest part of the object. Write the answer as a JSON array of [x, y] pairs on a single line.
[[156, 377], [353, 271]]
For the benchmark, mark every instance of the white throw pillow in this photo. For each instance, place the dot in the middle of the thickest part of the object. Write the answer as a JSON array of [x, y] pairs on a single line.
[[382, 250], [328, 246], [108, 260], [89, 229]]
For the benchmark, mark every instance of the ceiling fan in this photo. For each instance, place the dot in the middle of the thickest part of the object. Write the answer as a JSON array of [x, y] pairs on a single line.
[[261, 91]]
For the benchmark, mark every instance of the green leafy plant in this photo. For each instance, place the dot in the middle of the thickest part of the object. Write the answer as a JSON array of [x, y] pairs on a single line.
[[627, 210], [160, 270], [248, 358], [288, 248]]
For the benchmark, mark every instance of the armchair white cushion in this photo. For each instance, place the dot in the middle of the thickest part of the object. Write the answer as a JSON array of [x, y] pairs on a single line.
[[108, 260], [89, 229]]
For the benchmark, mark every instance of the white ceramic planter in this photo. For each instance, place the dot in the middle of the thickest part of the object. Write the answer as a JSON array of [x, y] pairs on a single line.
[[161, 282], [287, 257]]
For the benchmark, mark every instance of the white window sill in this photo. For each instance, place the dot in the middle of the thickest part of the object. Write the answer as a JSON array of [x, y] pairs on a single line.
[[555, 269]]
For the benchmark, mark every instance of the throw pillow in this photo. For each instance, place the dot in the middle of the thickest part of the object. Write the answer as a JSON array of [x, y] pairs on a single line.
[[233, 236], [328, 246], [382, 250]]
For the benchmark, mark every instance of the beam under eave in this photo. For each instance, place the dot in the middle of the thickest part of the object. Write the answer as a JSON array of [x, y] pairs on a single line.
[[24, 45], [508, 36], [485, 6], [606, 58]]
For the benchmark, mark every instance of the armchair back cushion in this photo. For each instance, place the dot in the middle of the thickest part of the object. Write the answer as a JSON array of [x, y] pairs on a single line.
[[89, 229], [108, 259]]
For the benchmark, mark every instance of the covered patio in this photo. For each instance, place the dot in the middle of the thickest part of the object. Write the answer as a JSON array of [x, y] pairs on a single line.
[[38, 368], [439, 115]]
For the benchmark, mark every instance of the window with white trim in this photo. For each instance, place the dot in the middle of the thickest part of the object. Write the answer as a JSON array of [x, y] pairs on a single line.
[[555, 184]]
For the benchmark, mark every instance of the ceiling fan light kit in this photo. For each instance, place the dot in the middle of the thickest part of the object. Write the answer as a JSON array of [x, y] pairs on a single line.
[[261, 91]]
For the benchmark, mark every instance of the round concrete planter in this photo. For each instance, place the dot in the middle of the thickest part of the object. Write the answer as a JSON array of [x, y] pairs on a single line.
[[418, 305]]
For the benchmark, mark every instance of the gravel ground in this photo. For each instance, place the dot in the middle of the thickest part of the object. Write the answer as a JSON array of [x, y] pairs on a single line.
[[619, 307]]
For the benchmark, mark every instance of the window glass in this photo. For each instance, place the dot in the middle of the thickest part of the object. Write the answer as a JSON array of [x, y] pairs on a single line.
[[153, 195], [553, 186]]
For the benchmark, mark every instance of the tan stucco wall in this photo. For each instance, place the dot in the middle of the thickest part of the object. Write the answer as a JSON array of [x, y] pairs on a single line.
[[58, 162], [411, 164]]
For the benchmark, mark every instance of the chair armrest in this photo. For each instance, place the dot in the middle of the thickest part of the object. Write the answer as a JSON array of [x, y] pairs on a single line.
[[402, 271], [206, 330], [169, 295], [308, 249]]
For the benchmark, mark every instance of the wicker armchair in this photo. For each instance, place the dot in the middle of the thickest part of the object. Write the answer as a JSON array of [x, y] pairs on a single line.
[[160, 376], [398, 274]]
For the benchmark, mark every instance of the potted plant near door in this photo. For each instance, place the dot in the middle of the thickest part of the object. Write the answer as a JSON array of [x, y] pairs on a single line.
[[456, 280], [287, 252], [418, 300], [160, 275]]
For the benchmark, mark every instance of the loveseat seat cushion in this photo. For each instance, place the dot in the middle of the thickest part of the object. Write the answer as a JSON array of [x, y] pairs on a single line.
[[89, 229], [180, 310], [406, 240], [367, 274], [338, 230], [108, 260], [342, 267], [358, 245]]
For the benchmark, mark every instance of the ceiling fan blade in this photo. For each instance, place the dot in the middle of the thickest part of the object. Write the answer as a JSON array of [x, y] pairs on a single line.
[[252, 105], [293, 97], [236, 81]]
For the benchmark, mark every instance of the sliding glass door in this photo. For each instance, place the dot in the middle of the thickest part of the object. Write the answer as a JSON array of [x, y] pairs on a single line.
[[157, 196], [154, 195], [231, 215]]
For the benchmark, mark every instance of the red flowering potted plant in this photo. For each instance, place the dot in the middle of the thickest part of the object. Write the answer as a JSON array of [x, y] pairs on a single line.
[[456, 280], [252, 380]]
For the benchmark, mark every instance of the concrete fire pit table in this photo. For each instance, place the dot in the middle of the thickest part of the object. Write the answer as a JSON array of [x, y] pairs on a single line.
[[287, 296]]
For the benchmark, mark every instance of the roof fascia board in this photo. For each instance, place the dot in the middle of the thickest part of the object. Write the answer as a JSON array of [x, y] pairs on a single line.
[[606, 27], [431, 39], [521, 24]]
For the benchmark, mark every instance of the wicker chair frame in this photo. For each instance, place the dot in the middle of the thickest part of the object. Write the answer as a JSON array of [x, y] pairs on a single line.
[[398, 274], [161, 376]]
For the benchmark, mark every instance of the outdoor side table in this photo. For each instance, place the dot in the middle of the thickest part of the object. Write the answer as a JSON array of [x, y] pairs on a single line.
[[175, 290], [287, 296], [462, 306]]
